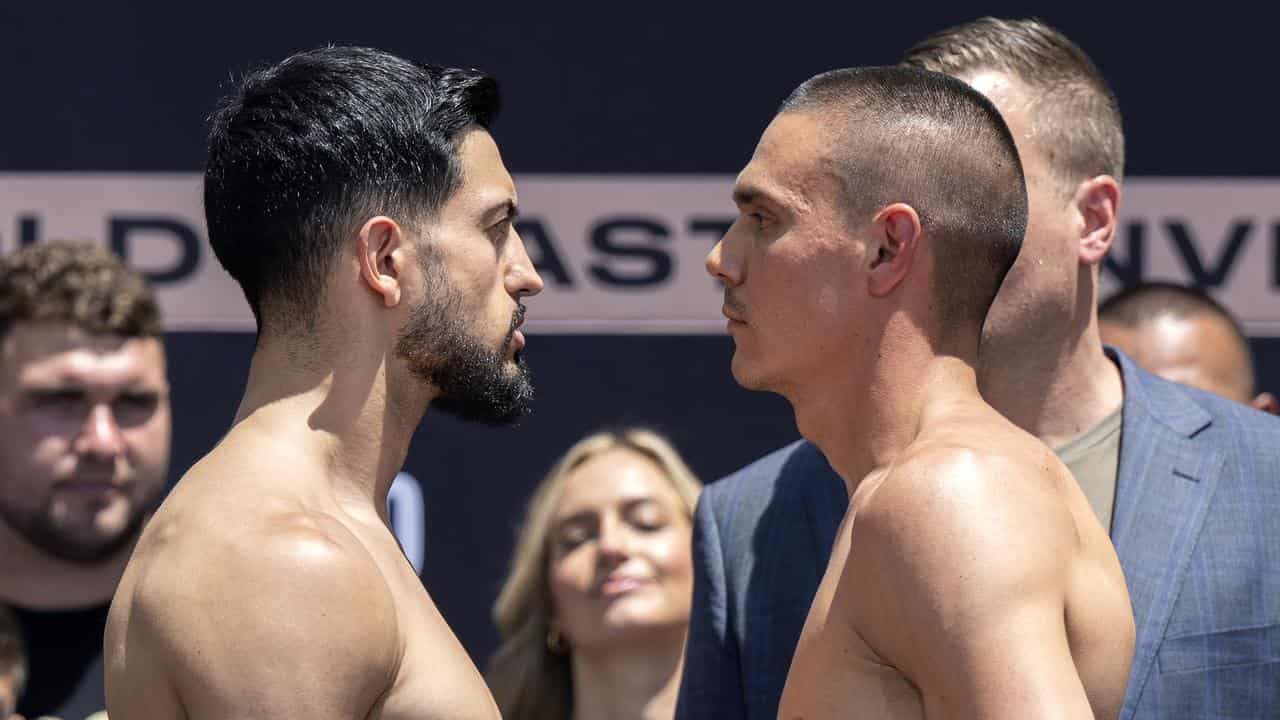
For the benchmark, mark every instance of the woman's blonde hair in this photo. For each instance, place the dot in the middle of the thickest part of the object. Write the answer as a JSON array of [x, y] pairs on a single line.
[[529, 681]]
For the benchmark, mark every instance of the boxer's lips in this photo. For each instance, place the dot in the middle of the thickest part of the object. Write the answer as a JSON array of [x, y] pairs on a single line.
[[735, 319], [517, 341]]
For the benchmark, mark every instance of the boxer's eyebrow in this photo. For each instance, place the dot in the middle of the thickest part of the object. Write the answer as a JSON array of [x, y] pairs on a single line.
[[747, 194], [505, 210]]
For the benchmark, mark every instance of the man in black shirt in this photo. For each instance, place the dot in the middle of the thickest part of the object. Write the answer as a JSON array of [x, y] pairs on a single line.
[[84, 450]]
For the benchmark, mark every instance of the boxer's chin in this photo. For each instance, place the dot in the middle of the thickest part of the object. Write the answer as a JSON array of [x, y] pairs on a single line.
[[475, 379], [745, 372], [494, 390]]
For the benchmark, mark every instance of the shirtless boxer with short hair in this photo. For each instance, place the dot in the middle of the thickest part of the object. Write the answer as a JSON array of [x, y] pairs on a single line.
[[970, 578], [363, 207]]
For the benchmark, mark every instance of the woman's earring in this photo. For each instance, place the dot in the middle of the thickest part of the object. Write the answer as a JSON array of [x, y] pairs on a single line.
[[555, 642]]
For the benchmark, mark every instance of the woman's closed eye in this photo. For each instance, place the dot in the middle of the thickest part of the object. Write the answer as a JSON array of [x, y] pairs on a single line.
[[647, 516], [572, 535]]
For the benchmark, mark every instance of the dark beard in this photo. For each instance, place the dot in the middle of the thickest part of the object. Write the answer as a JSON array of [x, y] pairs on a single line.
[[39, 529], [475, 382]]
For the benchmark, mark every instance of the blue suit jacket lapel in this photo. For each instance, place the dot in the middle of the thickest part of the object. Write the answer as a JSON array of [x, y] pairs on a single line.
[[1166, 481], [826, 500]]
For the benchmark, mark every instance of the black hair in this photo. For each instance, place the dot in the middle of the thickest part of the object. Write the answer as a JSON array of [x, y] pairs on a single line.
[[303, 152]]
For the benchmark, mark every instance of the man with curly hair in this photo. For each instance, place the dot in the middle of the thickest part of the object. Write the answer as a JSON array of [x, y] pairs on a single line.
[[84, 450]]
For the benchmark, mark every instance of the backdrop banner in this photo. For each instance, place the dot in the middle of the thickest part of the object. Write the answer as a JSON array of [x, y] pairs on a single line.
[[623, 254]]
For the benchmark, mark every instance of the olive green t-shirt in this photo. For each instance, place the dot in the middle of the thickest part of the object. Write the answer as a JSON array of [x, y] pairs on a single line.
[[1094, 459]]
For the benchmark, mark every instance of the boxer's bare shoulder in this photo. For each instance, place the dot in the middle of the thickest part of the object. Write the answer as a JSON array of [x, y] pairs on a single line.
[[969, 579], [287, 617], [251, 595]]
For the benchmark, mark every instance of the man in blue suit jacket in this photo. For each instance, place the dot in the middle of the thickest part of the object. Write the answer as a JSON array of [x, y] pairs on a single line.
[[1186, 481]]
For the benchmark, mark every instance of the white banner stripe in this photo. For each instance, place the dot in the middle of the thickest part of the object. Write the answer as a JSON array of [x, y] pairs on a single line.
[[624, 254]]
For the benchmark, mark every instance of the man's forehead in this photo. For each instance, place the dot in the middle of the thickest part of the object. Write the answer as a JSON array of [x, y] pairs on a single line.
[[790, 162], [1199, 338], [1207, 332], [795, 137], [753, 184], [485, 179], [1005, 90], [1200, 350], [620, 483], [1011, 96], [48, 351], [52, 337]]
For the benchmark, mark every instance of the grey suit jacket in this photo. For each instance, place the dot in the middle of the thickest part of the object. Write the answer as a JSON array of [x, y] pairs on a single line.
[[1197, 528]]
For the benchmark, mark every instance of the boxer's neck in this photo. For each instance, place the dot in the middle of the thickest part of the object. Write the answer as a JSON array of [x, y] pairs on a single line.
[[354, 412], [864, 419]]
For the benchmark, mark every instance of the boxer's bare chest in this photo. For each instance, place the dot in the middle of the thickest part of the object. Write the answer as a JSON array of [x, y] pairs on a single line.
[[834, 673], [436, 677]]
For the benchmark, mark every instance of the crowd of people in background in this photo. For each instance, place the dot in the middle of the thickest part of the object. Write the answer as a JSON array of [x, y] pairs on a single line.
[[632, 593]]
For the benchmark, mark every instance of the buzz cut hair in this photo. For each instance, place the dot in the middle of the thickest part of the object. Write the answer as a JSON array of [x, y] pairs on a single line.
[[1144, 303], [929, 140]]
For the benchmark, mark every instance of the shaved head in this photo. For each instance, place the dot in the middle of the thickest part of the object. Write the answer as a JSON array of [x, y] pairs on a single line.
[[1183, 335], [930, 141]]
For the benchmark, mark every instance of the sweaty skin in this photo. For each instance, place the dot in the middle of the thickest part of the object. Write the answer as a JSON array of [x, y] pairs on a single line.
[[269, 583], [970, 578], [255, 593], [929, 609]]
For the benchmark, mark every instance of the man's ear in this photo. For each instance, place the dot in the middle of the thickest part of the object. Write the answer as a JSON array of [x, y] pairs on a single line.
[[895, 235], [1266, 402], [1097, 200], [379, 250]]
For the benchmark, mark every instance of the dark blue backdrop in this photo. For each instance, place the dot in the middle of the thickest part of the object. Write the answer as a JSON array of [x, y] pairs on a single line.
[[605, 88]]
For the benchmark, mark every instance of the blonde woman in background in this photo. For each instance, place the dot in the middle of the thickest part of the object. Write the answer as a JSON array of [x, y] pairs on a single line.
[[594, 613]]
